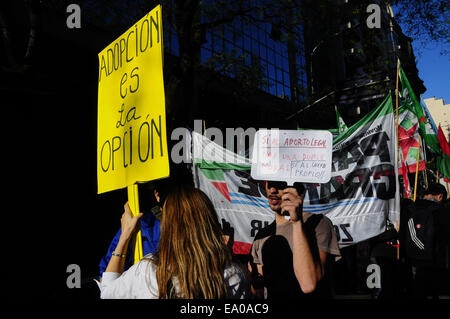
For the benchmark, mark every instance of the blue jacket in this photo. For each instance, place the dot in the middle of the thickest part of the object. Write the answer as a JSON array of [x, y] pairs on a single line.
[[150, 240]]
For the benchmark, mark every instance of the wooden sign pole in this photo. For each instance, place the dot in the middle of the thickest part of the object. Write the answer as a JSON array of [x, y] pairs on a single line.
[[133, 202]]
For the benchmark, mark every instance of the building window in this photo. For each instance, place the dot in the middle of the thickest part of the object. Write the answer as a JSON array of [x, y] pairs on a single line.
[[248, 44]]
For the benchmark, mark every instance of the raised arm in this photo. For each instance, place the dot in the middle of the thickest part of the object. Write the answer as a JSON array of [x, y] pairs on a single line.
[[305, 269], [129, 224]]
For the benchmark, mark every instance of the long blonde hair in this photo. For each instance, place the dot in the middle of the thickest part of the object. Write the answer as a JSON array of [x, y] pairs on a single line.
[[190, 248]]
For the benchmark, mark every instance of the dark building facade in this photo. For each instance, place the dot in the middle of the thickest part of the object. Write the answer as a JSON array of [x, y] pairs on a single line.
[[353, 66], [252, 71]]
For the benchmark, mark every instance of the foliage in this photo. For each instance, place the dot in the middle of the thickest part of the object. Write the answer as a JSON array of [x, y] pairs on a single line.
[[426, 21]]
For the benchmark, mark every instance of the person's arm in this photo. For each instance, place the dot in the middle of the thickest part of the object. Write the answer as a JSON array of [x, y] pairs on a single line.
[[327, 245], [304, 266], [255, 269], [129, 224], [320, 267]]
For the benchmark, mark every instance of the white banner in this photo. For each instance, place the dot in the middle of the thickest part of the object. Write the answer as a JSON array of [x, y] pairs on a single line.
[[363, 190], [362, 193], [239, 200]]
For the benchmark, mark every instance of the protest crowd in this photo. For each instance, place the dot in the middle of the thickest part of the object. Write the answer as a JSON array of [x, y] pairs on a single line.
[[219, 229], [188, 252], [223, 168], [340, 219], [311, 214]]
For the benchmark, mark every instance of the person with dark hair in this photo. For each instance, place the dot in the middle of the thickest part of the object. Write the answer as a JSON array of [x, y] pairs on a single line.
[[435, 192], [191, 261], [292, 253], [427, 242]]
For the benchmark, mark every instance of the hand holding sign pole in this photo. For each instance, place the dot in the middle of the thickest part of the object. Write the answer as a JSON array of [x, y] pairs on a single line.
[[131, 139], [133, 202]]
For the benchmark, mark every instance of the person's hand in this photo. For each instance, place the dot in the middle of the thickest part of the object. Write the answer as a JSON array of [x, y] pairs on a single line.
[[292, 203], [129, 222]]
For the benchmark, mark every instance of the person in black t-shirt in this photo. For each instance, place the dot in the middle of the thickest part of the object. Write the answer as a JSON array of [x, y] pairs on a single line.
[[291, 253]]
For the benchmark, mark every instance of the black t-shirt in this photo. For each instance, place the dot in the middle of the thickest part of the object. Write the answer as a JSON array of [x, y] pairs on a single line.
[[277, 260]]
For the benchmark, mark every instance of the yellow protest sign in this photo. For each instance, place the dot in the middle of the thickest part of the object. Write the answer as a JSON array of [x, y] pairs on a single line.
[[131, 137]]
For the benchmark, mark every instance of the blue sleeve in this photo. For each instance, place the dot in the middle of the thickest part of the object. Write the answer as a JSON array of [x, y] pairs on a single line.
[[105, 259], [150, 238], [150, 233]]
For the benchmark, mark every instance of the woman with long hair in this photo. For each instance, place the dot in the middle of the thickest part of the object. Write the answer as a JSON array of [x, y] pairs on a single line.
[[192, 261]]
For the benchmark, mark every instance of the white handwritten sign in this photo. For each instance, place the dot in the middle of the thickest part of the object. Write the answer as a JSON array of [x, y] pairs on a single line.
[[292, 156]]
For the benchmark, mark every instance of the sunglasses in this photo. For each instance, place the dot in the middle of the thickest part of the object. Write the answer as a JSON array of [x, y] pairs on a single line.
[[276, 185], [282, 185]]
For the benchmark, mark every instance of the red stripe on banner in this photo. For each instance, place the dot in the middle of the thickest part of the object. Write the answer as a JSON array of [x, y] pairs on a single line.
[[223, 189], [412, 167], [443, 142], [404, 172], [241, 248]]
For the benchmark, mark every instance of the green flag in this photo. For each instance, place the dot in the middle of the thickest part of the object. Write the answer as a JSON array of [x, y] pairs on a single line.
[[340, 122], [443, 165], [408, 140], [443, 160], [409, 99]]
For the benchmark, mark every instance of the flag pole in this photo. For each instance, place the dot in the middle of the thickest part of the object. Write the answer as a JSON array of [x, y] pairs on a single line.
[[437, 170], [397, 228], [425, 163], [396, 106], [397, 225], [417, 170]]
